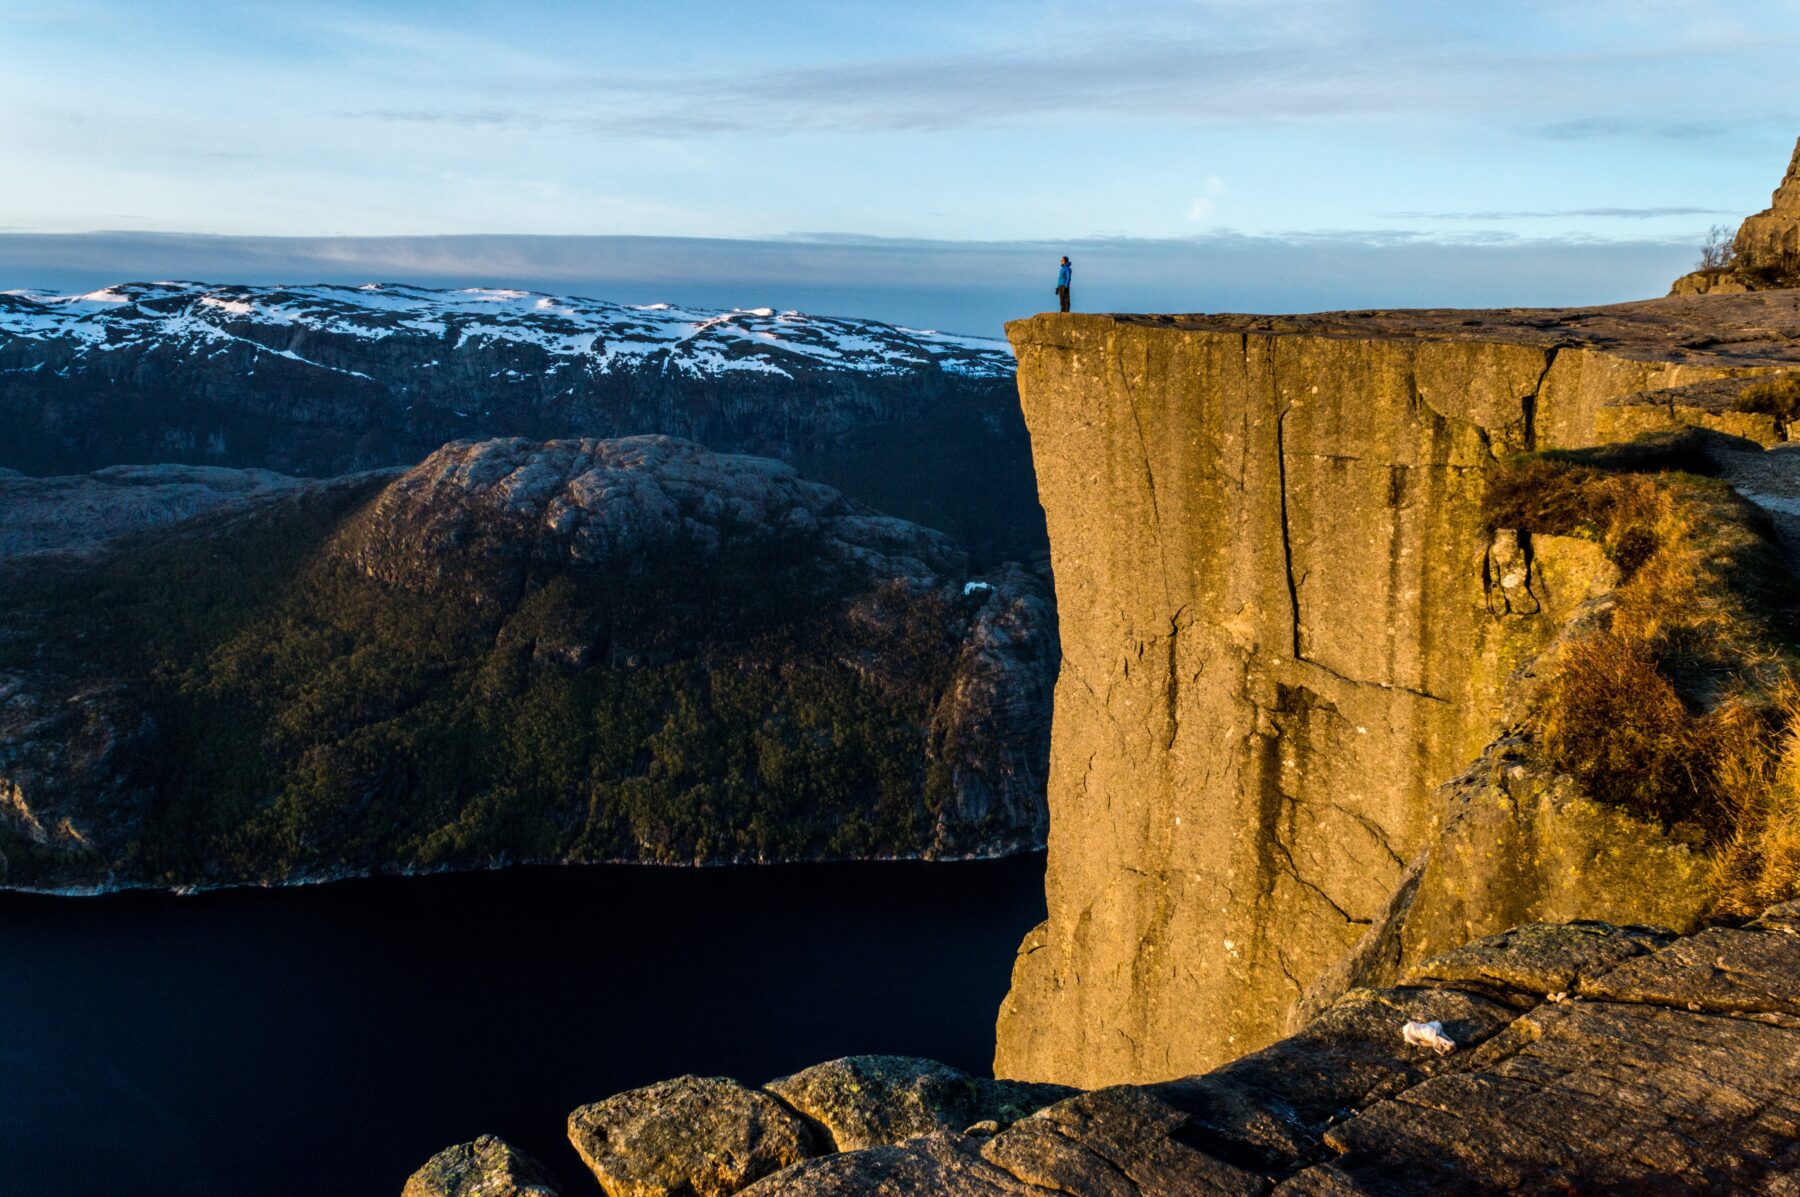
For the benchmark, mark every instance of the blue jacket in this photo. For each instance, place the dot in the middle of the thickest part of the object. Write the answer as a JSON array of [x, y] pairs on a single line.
[[1063, 275]]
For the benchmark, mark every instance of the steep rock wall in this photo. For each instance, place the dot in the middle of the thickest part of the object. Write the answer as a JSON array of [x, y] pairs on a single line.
[[1284, 627]]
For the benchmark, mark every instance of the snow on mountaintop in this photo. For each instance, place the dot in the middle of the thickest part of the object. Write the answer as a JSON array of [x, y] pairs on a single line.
[[609, 335]]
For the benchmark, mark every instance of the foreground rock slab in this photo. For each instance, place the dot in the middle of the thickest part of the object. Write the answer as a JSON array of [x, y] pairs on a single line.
[[689, 1137], [486, 1167], [1588, 1058]]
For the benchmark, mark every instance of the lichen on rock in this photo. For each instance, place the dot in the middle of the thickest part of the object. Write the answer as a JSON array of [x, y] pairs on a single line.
[[687, 1137], [872, 1101], [485, 1167]]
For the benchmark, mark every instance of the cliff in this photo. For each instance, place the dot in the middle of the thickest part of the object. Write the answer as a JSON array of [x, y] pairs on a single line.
[[1287, 622], [579, 650]]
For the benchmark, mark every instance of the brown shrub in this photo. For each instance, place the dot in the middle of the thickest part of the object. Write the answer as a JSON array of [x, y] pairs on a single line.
[[1760, 863], [1612, 720], [1779, 397]]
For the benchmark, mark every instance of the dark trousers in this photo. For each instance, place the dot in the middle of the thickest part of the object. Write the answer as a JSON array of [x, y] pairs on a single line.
[[1062, 293]]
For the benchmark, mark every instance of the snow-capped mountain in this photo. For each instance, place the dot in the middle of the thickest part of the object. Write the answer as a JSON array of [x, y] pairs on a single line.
[[322, 380], [579, 335]]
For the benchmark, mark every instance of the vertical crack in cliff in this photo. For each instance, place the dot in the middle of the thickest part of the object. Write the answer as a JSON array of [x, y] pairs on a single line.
[[1172, 686], [1137, 420], [1528, 404], [1287, 540]]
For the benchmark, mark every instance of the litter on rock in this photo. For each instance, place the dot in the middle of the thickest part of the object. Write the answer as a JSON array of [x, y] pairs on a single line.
[[1428, 1034]]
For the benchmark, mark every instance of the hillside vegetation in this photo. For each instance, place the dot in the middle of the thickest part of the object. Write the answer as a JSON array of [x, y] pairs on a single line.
[[1685, 707], [758, 700]]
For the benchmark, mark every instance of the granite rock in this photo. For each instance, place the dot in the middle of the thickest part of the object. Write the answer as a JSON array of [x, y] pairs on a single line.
[[688, 1137], [485, 1167]]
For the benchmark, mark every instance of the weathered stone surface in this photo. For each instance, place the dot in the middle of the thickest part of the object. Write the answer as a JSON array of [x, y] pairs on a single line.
[[1514, 847], [1272, 1106], [1744, 971], [1772, 236], [1119, 1142], [1284, 627], [1539, 959], [1607, 1097], [486, 1167], [872, 1101], [937, 1164], [1710, 405], [689, 1137]]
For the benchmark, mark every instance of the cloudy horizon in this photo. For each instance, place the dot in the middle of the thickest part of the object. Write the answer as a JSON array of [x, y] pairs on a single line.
[[966, 287], [1202, 154]]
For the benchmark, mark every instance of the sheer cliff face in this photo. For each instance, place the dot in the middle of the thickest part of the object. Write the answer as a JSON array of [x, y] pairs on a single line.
[[1283, 627]]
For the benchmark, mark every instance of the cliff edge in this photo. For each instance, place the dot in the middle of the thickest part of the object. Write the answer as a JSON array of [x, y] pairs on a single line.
[[1288, 621]]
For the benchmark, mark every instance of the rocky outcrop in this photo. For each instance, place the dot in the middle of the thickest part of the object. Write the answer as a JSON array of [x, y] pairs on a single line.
[[1579, 1057], [485, 1167], [491, 510], [711, 1136], [1766, 251], [635, 649], [1285, 626]]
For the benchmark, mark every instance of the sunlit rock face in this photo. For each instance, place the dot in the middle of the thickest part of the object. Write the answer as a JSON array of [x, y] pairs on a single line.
[[1284, 627]]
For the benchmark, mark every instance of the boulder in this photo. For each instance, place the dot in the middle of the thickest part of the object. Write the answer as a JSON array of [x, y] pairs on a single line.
[[486, 1167], [689, 1137], [872, 1101]]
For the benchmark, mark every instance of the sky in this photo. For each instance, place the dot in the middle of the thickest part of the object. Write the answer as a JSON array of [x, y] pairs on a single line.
[[1222, 153]]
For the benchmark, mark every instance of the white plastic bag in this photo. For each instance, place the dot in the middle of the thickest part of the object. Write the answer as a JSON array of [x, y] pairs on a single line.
[[1428, 1034]]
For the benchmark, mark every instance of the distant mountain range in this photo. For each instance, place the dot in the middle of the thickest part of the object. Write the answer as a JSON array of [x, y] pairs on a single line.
[[324, 380]]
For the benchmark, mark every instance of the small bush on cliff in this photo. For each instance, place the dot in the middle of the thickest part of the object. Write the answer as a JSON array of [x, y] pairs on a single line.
[[1683, 709], [1778, 397], [1719, 250]]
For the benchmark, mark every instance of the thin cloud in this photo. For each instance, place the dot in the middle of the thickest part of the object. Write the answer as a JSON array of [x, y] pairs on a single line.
[[1320, 70], [1561, 214], [1596, 128]]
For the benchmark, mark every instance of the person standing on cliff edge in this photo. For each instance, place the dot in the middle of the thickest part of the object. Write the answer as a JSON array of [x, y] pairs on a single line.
[[1062, 282]]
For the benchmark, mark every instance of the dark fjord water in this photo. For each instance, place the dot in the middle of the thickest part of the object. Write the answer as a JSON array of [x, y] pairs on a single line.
[[257, 1043]]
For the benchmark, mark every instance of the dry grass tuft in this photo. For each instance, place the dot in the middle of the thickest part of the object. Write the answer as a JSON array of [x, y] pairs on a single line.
[[1760, 862]]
